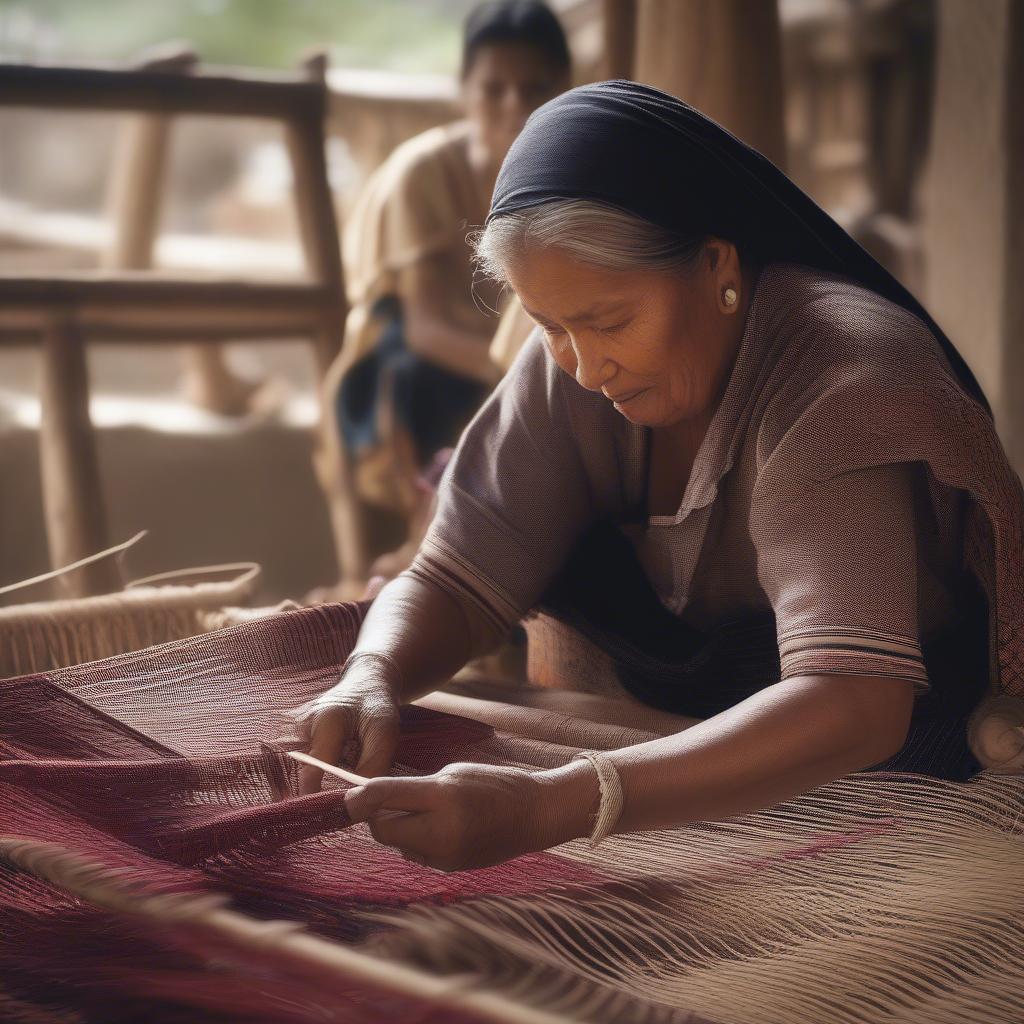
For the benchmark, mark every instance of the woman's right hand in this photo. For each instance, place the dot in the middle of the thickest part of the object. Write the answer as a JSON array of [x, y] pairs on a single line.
[[361, 710]]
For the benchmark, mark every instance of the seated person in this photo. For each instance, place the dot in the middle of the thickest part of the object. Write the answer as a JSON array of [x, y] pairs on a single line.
[[415, 364]]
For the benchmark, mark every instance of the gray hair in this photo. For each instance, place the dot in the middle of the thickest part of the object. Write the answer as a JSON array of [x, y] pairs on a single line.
[[592, 232]]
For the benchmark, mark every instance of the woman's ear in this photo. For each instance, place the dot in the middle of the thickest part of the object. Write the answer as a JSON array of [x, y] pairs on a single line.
[[722, 256], [724, 268]]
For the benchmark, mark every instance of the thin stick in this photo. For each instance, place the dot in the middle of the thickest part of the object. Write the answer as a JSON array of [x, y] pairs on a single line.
[[343, 773], [331, 769]]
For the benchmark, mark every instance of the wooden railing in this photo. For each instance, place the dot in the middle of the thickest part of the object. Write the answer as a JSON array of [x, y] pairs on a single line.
[[60, 313]]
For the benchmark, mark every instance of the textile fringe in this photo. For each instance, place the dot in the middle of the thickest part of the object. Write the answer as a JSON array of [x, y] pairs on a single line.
[[283, 940], [893, 898], [878, 898]]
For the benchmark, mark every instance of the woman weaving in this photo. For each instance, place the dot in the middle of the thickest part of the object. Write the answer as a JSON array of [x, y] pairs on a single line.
[[738, 458]]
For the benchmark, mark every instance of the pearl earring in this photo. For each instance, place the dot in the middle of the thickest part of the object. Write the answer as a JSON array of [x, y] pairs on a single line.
[[729, 296]]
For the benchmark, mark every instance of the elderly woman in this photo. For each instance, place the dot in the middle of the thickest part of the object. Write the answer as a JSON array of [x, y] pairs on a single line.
[[739, 458]]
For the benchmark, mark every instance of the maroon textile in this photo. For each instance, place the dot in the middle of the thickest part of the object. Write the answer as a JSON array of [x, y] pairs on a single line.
[[160, 766]]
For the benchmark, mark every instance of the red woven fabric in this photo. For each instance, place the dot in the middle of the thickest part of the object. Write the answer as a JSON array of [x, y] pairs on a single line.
[[160, 765]]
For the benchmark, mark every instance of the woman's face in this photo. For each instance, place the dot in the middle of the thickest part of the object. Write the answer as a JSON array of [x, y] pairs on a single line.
[[659, 346], [505, 83]]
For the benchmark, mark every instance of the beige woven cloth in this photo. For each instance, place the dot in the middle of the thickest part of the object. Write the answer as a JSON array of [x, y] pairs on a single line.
[[877, 898], [47, 633]]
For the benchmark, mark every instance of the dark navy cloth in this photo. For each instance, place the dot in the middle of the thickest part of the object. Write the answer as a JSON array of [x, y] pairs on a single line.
[[431, 403]]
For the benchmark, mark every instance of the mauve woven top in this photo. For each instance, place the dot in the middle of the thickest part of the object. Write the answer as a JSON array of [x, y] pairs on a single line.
[[834, 487]]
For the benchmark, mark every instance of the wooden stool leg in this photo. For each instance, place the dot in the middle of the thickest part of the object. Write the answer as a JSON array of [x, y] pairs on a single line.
[[72, 497], [336, 475], [347, 514], [314, 204], [314, 207]]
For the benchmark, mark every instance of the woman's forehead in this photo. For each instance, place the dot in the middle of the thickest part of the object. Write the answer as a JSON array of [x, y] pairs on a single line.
[[597, 310], [549, 281]]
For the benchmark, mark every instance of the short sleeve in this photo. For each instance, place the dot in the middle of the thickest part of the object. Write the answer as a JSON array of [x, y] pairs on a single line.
[[514, 498], [422, 215], [414, 206], [837, 557]]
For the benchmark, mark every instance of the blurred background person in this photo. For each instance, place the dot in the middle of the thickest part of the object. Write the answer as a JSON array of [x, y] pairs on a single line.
[[415, 364]]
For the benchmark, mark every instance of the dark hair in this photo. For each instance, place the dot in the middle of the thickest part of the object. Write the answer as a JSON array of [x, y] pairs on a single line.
[[526, 22]]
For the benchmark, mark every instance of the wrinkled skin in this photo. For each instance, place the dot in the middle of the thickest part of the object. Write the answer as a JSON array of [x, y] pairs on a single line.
[[360, 712], [464, 816]]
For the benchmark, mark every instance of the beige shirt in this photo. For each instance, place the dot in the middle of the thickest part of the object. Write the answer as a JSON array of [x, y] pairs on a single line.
[[419, 204], [831, 488]]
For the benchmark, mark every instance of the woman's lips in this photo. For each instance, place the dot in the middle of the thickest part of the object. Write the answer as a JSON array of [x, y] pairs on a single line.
[[626, 396]]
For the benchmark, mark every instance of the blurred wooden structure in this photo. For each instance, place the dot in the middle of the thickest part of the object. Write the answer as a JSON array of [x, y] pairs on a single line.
[[62, 312], [618, 18], [974, 217], [723, 57]]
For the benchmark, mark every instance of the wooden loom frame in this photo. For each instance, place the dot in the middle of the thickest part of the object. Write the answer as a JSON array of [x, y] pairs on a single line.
[[62, 312]]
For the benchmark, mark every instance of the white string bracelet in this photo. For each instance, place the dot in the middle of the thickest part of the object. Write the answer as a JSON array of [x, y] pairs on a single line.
[[610, 808]]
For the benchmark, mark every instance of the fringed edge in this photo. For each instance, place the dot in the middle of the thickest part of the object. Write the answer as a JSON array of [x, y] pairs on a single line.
[[287, 941]]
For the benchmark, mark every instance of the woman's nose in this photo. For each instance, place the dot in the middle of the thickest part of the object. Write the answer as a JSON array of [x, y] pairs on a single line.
[[593, 370], [517, 106]]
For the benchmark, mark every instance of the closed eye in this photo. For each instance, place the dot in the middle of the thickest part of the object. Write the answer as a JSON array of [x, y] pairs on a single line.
[[550, 331], [616, 327]]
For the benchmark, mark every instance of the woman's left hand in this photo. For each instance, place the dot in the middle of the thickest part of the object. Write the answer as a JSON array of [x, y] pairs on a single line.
[[473, 816]]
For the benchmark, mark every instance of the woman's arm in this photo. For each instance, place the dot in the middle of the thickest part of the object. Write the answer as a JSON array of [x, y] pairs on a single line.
[[434, 333], [426, 634], [785, 740]]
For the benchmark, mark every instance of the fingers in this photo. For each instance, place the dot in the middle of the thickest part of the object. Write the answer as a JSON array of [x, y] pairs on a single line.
[[364, 711], [414, 836], [378, 740], [408, 815], [417, 795], [330, 733]]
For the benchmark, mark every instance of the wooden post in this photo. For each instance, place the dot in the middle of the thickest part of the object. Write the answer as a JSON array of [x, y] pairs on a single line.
[[140, 167], [72, 491], [72, 495], [619, 38], [974, 224], [336, 474], [314, 204], [722, 56], [337, 478], [136, 187]]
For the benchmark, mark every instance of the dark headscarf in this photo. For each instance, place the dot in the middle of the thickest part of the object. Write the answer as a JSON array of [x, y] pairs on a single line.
[[649, 154]]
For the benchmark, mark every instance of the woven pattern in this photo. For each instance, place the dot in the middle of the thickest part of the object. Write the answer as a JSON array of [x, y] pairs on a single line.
[[891, 898], [41, 635]]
